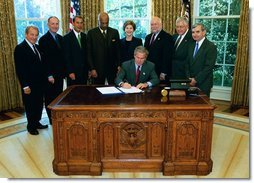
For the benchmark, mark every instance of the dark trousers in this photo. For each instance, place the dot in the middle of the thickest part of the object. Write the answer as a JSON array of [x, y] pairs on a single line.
[[52, 91], [33, 106]]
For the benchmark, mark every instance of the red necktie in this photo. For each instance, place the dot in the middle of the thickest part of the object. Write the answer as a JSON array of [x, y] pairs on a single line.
[[137, 74]]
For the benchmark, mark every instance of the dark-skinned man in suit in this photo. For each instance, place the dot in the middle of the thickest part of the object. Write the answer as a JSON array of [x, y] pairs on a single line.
[[201, 59], [75, 53], [51, 44], [103, 50], [31, 72], [137, 72], [181, 41], [160, 46]]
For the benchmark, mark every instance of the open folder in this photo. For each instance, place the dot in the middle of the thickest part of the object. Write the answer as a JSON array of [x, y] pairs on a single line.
[[117, 90]]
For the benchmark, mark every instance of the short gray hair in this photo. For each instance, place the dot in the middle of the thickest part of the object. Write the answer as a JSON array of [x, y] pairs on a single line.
[[31, 27], [199, 24], [182, 19]]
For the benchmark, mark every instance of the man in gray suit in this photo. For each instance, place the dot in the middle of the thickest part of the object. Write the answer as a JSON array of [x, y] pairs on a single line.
[[137, 72], [201, 59]]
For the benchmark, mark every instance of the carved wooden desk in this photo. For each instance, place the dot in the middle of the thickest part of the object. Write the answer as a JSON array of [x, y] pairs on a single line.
[[132, 132]]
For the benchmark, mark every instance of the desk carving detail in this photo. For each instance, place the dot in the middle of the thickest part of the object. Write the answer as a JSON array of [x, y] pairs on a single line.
[[172, 137]]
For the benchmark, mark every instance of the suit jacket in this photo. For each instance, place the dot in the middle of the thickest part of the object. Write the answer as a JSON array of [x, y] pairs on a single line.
[[201, 66], [54, 58], [128, 72], [103, 54], [127, 48], [75, 56], [30, 70], [179, 56], [160, 52]]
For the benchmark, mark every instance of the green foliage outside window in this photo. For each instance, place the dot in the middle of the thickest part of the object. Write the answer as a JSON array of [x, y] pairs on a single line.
[[121, 10]]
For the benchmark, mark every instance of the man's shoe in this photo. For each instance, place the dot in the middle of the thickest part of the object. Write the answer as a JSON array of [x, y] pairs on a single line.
[[33, 132], [40, 126]]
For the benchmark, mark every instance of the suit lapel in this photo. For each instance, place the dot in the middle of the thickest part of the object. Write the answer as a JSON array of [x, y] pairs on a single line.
[[142, 75], [133, 70], [200, 51]]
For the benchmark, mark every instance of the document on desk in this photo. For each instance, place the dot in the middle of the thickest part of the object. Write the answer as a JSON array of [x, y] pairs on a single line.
[[109, 90], [133, 89]]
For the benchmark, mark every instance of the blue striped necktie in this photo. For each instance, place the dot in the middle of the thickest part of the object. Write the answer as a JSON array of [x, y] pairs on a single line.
[[195, 50]]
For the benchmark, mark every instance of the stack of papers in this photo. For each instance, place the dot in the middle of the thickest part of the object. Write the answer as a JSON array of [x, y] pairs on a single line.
[[119, 90], [133, 89]]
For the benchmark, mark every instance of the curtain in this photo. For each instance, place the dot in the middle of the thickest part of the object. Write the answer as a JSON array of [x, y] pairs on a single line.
[[168, 11], [240, 87], [10, 92], [89, 10]]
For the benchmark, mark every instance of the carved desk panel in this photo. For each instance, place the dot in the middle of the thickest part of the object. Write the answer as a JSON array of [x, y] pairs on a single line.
[[132, 132]]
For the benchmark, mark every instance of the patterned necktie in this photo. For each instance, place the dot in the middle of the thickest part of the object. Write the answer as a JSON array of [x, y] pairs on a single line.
[[137, 75], [195, 50], [177, 42], [152, 39], [79, 40], [37, 53]]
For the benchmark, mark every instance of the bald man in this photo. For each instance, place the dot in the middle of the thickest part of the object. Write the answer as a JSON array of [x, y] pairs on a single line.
[[160, 46], [103, 45]]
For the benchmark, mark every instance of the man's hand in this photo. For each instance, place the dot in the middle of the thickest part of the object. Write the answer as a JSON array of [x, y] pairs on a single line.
[[72, 76], [142, 85], [193, 82], [162, 76], [94, 73], [51, 80], [126, 85], [27, 90]]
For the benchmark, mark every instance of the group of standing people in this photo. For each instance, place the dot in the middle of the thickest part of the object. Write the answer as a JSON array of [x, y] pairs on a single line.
[[103, 58]]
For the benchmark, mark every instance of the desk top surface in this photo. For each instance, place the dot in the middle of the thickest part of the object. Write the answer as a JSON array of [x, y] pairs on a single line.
[[88, 96]]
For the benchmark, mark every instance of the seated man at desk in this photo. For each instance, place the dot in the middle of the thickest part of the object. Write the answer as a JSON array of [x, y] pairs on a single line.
[[137, 72]]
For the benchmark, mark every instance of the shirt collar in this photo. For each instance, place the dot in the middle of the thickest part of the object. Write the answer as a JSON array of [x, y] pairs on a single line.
[[30, 44], [201, 42]]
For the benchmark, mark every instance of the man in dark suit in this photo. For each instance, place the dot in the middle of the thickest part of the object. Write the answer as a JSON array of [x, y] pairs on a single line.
[[137, 72], [75, 54], [103, 51], [181, 41], [201, 59], [30, 69], [51, 46], [160, 46]]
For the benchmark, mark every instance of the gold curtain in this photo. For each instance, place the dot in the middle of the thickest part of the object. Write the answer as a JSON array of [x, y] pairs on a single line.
[[10, 93], [89, 10], [65, 11], [240, 87], [168, 11]]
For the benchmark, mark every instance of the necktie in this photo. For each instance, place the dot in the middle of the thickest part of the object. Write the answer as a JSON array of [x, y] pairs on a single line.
[[177, 42], [137, 75], [57, 41], [152, 39], [195, 50], [104, 33], [79, 40], [36, 53]]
